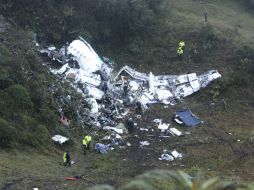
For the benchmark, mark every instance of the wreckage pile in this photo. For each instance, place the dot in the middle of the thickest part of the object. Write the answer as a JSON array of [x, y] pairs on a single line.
[[109, 96]]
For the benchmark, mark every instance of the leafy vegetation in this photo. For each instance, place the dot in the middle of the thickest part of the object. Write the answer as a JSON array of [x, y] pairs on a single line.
[[29, 96], [105, 22], [245, 57], [169, 180]]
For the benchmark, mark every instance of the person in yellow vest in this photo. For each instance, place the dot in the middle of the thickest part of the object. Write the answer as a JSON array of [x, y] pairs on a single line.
[[67, 159], [180, 53], [88, 139], [182, 44], [84, 143]]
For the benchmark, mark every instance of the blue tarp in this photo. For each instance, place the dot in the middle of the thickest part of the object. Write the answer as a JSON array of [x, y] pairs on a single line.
[[102, 148], [188, 118]]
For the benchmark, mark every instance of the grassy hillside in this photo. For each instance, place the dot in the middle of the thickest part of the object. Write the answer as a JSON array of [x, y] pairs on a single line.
[[213, 149]]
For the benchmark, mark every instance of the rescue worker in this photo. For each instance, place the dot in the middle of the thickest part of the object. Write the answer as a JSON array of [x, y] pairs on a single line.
[[180, 53], [205, 15], [211, 108], [67, 159], [88, 139], [182, 44], [139, 107], [224, 104], [84, 143], [125, 89], [130, 125]]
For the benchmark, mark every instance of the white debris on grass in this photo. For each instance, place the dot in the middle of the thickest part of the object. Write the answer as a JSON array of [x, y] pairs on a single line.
[[177, 154], [143, 129], [178, 121], [128, 144], [176, 132], [157, 120], [119, 131], [166, 157], [170, 156], [144, 143], [59, 139], [163, 126], [106, 137]]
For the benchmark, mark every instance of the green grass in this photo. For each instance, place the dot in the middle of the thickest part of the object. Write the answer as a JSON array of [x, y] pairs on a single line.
[[227, 16], [30, 168]]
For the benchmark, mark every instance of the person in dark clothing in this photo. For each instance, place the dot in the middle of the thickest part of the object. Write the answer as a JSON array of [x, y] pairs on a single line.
[[130, 125], [211, 108], [67, 159], [139, 107], [205, 15], [84, 144], [104, 87], [125, 89], [224, 104]]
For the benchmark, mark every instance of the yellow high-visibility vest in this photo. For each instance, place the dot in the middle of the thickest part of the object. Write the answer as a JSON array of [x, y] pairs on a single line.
[[88, 138], [64, 157], [181, 44], [180, 51], [84, 142]]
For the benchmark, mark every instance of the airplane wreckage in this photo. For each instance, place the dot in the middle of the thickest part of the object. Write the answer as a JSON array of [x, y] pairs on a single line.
[[110, 94]]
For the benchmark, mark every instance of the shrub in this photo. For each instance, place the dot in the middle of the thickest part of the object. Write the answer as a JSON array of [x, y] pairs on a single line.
[[5, 80], [245, 52], [38, 137], [208, 36], [107, 20], [7, 134], [244, 56], [19, 97]]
